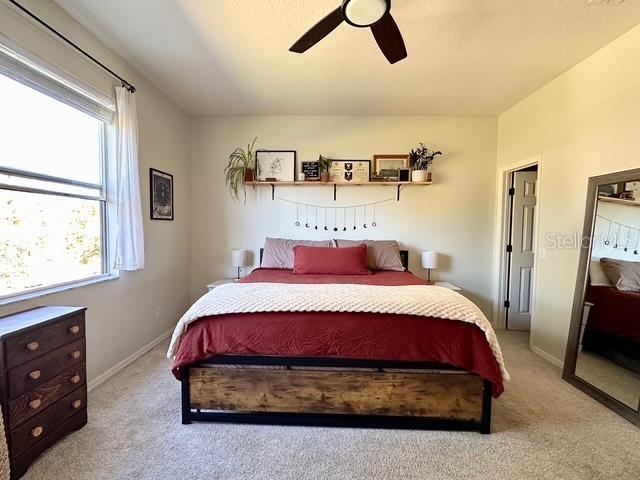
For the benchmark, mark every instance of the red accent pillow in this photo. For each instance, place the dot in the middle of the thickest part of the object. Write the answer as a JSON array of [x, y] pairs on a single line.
[[330, 261]]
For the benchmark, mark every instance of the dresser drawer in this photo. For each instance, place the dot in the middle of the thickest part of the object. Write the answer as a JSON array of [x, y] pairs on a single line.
[[38, 427], [31, 375], [36, 401], [27, 346]]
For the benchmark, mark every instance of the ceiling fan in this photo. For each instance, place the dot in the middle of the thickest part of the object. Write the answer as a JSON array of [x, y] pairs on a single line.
[[362, 14]]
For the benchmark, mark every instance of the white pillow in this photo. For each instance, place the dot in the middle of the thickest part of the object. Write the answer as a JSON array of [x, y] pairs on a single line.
[[597, 275]]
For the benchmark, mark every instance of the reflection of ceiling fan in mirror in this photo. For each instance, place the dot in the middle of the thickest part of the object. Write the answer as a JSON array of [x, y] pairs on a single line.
[[374, 14]]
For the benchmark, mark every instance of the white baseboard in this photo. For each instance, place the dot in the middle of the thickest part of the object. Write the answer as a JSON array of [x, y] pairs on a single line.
[[548, 357], [103, 377]]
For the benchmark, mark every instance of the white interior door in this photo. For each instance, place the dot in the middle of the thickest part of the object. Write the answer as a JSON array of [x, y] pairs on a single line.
[[522, 254]]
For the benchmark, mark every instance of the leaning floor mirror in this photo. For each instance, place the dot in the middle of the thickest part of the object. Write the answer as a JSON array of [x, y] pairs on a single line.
[[603, 349]]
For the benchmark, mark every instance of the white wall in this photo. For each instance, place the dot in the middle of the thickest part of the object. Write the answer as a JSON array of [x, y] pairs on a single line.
[[453, 216], [121, 313], [583, 123]]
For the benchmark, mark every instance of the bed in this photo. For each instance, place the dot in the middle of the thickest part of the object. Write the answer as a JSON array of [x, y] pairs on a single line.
[[613, 325], [336, 368]]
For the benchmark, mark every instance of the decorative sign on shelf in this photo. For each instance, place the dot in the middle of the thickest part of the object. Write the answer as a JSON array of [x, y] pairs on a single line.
[[311, 170]]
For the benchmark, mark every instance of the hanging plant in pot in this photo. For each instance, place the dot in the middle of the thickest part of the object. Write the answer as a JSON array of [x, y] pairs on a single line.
[[240, 170], [420, 159], [324, 164]]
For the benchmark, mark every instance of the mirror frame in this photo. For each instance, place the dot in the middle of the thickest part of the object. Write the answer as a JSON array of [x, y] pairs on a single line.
[[571, 355]]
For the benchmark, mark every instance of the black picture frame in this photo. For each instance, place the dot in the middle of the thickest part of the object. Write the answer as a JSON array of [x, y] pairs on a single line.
[[261, 176], [160, 200]]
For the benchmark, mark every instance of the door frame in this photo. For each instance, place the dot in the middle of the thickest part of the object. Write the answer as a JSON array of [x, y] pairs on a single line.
[[501, 236]]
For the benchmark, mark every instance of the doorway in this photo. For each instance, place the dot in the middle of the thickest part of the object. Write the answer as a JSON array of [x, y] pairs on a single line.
[[518, 247]]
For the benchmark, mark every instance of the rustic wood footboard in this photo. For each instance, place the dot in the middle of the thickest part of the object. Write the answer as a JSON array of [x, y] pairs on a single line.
[[335, 392]]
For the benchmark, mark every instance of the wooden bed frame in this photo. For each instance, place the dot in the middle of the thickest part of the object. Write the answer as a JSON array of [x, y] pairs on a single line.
[[335, 392]]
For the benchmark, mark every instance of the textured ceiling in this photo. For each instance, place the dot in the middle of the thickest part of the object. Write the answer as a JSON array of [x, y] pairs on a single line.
[[465, 56]]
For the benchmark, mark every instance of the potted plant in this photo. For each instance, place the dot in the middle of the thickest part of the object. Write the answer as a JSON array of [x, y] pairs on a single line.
[[420, 159], [324, 164], [240, 170]]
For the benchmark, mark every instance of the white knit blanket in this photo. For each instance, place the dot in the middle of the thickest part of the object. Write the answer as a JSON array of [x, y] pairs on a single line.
[[420, 300]]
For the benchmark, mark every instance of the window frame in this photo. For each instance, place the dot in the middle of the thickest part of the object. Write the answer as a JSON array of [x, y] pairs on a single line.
[[107, 273]]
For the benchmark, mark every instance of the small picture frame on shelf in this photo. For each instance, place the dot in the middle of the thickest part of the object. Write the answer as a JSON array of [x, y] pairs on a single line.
[[350, 171], [311, 171], [390, 162], [404, 174], [161, 193], [276, 164]]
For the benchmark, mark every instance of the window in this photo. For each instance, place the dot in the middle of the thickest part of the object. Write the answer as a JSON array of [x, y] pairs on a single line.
[[52, 192]]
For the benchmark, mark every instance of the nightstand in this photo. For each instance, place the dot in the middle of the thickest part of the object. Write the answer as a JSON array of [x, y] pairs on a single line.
[[222, 281], [448, 285]]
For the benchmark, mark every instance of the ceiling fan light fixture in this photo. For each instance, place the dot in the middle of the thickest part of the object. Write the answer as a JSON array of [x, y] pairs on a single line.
[[364, 13]]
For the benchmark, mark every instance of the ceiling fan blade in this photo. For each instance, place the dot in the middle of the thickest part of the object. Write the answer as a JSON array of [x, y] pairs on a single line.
[[389, 38], [320, 30]]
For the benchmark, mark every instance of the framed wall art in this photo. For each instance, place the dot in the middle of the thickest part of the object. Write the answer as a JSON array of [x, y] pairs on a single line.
[[276, 165], [390, 162], [350, 171], [161, 192]]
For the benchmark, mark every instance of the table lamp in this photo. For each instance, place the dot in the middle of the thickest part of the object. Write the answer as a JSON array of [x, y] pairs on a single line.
[[239, 259], [429, 261]]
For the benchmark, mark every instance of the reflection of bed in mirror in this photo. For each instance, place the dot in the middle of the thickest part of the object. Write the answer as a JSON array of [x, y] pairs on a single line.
[[613, 325]]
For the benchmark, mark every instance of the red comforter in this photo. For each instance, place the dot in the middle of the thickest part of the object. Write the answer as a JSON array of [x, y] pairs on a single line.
[[343, 335]]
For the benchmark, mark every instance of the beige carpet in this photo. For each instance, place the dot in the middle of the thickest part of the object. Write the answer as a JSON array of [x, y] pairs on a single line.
[[543, 429], [609, 377]]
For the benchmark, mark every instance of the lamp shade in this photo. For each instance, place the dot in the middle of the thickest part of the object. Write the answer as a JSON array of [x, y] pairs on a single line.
[[429, 259], [238, 257]]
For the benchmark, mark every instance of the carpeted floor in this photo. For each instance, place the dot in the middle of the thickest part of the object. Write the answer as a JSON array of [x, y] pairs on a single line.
[[609, 377], [543, 429]]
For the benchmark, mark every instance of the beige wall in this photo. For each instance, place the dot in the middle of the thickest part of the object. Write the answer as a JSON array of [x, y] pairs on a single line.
[[121, 315], [583, 123], [453, 216]]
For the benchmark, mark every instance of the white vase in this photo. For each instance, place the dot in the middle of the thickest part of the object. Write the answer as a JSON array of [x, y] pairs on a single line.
[[419, 176]]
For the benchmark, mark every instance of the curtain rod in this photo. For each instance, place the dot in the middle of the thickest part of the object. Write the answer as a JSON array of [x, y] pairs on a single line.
[[125, 83]]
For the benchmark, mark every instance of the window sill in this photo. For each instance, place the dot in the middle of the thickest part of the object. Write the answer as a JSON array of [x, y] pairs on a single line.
[[23, 297]]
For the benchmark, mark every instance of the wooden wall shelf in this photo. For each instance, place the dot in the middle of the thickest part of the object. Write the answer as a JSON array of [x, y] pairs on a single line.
[[621, 201], [335, 185]]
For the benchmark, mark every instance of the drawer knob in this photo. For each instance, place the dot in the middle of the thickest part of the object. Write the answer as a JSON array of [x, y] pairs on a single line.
[[75, 379], [75, 354], [33, 404], [34, 375], [32, 346], [37, 431], [74, 329], [76, 404]]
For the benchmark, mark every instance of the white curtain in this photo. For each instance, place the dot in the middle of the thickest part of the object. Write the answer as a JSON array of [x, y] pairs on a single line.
[[130, 239]]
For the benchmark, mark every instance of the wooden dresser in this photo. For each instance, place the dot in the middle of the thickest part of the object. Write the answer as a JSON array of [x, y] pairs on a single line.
[[43, 386]]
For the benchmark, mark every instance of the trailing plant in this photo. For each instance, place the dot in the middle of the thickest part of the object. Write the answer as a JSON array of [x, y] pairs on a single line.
[[421, 158], [240, 161], [324, 163]]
